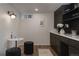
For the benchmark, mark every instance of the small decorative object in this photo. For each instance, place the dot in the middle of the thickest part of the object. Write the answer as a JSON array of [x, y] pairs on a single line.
[[66, 25], [74, 32], [67, 29], [60, 26]]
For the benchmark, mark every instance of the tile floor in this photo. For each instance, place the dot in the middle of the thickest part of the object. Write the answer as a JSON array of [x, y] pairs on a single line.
[[45, 52], [40, 51]]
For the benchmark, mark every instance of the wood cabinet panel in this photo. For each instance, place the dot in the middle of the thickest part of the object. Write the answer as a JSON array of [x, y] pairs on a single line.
[[58, 16], [62, 45], [55, 43]]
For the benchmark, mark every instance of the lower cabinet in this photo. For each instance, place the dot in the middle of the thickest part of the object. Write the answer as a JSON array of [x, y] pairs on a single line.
[[59, 47], [54, 43], [64, 49], [73, 51], [64, 46]]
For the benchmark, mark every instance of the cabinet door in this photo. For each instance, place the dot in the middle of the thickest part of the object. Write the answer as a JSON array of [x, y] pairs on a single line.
[[58, 16], [53, 42], [73, 51], [57, 44], [64, 49]]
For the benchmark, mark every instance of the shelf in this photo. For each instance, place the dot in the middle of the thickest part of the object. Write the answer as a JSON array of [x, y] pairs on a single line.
[[71, 18], [71, 11]]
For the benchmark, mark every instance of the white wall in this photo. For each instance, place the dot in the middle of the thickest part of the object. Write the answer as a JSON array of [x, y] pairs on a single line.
[[31, 29], [6, 27], [52, 23]]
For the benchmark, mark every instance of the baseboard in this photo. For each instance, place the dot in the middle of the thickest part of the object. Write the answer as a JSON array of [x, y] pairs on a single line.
[[42, 46]]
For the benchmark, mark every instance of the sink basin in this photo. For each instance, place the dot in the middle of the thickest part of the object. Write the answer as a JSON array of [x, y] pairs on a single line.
[[13, 42]]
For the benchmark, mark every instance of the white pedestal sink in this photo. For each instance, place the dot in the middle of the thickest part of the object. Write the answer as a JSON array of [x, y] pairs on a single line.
[[13, 42]]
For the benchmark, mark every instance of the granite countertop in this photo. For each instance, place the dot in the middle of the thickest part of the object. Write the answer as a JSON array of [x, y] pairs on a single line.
[[71, 36]]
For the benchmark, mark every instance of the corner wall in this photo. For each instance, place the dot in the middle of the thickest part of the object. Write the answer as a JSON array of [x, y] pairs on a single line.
[[6, 27]]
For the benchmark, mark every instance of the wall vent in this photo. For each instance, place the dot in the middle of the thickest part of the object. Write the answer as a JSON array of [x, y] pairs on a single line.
[[28, 16]]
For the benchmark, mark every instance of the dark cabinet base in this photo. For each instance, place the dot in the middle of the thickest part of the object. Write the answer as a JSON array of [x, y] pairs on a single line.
[[64, 50], [73, 51], [59, 47], [64, 46]]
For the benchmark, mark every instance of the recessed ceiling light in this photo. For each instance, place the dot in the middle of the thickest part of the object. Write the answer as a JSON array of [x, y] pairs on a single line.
[[36, 9]]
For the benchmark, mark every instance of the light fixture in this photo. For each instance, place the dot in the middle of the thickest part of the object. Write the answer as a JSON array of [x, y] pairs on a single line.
[[12, 15], [36, 9]]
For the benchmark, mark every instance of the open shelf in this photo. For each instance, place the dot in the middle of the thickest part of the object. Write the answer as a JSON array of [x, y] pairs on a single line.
[[71, 11], [71, 18]]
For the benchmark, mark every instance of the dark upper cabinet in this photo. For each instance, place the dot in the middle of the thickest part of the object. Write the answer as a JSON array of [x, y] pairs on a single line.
[[58, 16], [71, 17], [68, 8], [68, 14], [65, 13]]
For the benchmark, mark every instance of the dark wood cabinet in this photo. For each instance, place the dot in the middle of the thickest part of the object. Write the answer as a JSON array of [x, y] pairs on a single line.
[[55, 43], [64, 46], [64, 49], [58, 45], [67, 14], [58, 16]]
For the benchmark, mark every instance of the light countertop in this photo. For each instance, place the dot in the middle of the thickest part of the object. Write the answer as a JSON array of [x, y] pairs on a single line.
[[70, 36]]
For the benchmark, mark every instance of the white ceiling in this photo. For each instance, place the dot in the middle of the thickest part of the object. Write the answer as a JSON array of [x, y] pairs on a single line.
[[29, 7]]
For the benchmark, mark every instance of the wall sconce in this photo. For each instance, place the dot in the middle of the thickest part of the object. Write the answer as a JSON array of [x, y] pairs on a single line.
[[12, 15]]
